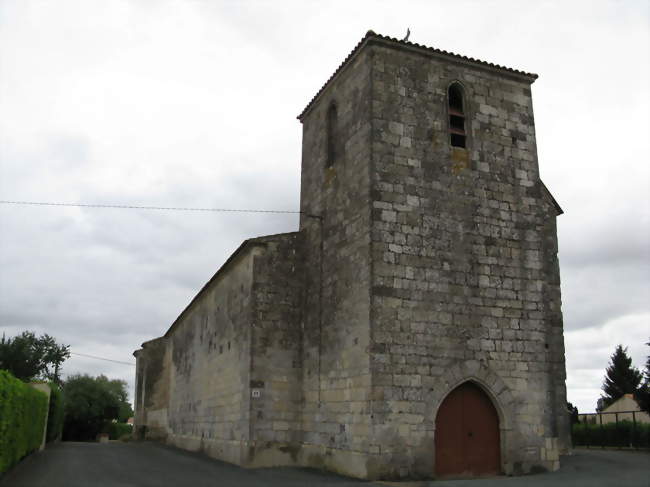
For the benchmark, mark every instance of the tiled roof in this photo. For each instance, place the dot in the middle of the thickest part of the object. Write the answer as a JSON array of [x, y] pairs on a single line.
[[371, 35]]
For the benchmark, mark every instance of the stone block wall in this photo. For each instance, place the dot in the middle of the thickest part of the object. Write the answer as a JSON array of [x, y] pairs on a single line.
[[464, 265], [153, 366], [417, 266], [335, 201], [200, 399], [276, 351]]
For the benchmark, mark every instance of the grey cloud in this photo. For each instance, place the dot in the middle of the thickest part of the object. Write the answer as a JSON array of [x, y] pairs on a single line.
[[595, 295], [67, 152], [611, 245]]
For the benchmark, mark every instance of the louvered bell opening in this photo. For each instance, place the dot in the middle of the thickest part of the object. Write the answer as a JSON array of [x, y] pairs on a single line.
[[458, 137], [457, 130]]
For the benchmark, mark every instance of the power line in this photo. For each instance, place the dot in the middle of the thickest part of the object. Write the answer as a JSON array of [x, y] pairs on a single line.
[[137, 207], [102, 358]]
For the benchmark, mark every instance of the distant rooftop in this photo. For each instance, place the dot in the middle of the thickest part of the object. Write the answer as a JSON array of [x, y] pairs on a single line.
[[373, 36]]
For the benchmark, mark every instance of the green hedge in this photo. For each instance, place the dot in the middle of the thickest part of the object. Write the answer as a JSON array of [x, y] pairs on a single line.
[[55, 416], [118, 430], [623, 434], [22, 419]]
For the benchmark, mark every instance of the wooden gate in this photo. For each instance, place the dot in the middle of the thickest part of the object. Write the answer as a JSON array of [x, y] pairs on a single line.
[[467, 438]]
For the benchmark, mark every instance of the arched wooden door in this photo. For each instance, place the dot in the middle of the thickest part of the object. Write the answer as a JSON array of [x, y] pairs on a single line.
[[467, 434]]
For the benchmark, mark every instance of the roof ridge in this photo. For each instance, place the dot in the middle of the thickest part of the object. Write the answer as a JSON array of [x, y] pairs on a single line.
[[373, 35]]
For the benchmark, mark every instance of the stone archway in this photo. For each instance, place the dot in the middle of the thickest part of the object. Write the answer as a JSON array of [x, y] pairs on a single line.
[[467, 440], [500, 395]]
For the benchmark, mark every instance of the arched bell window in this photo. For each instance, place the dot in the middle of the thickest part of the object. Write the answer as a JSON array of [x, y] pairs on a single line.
[[332, 133], [457, 134]]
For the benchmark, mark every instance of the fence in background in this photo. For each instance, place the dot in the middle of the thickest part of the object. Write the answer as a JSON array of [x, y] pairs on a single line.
[[622, 429]]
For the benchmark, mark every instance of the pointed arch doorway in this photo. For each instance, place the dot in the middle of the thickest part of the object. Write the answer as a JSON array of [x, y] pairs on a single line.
[[467, 439]]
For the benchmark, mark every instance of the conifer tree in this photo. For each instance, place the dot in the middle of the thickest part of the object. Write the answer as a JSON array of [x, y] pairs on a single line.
[[620, 378]]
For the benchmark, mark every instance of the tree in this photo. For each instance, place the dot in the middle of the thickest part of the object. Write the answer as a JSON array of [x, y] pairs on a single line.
[[620, 378], [91, 403], [117, 387], [643, 393], [29, 357], [573, 413]]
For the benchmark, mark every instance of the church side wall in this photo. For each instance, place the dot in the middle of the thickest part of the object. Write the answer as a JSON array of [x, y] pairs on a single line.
[[465, 278], [152, 389], [210, 400], [207, 360], [336, 378], [276, 358], [551, 306]]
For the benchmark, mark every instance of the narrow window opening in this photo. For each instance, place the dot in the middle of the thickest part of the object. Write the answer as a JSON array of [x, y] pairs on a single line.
[[456, 122], [332, 121], [458, 140], [458, 137], [456, 98]]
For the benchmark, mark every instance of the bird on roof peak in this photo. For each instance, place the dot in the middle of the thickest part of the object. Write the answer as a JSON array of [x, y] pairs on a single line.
[[408, 33]]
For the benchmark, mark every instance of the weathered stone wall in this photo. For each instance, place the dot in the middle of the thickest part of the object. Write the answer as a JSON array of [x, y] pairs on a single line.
[[152, 389], [336, 221], [276, 358], [464, 266], [200, 398], [417, 267], [241, 334]]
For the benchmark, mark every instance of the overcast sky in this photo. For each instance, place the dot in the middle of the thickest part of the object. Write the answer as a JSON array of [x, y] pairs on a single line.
[[194, 103]]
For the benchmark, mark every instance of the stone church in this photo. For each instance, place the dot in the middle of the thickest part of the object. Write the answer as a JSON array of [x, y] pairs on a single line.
[[412, 326]]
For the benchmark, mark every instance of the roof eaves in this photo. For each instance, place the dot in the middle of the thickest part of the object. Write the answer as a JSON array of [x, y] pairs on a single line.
[[245, 244], [372, 36], [556, 205], [251, 242], [353, 53]]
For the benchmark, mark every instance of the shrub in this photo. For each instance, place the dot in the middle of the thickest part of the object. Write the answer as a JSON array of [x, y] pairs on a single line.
[[91, 403], [22, 419], [55, 416], [623, 434], [117, 431]]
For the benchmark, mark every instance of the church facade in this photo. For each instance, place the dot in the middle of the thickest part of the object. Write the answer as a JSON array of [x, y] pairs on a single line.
[[412, 326]]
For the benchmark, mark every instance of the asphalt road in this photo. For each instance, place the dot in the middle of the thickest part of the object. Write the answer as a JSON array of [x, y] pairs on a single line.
[[583, 468], [116, 464]]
